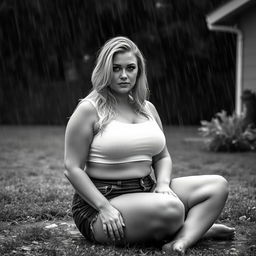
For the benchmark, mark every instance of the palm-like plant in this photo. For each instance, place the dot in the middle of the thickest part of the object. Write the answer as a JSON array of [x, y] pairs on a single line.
[[227, 133]]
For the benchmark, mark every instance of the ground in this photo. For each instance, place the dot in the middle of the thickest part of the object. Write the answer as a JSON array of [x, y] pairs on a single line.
[[35, 197]]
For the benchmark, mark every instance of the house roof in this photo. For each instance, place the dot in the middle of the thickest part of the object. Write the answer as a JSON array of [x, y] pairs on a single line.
[[228, 11]]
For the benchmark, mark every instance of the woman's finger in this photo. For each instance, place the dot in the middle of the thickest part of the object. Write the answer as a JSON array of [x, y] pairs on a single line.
[[105, 229], [111, 233], [121, 220], [120, 228], [116, 230]]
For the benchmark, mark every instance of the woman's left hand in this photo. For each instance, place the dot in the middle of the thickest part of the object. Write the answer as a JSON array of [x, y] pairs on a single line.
[[164, 189]]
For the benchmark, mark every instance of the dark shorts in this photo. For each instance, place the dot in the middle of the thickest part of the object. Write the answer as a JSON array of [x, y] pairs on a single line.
[[84, 215]]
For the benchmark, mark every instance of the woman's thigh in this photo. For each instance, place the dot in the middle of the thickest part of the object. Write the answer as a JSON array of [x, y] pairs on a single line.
[[194, 189], [146, 216]]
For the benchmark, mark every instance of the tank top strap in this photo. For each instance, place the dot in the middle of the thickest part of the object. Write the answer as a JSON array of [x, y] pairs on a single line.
[[147, 107], [91, 101], [96, 126]]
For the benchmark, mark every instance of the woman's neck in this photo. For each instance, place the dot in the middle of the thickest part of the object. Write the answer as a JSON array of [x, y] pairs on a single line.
[[122, 100]]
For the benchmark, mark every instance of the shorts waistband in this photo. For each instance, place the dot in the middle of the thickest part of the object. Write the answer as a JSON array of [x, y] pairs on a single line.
[[142, 180]]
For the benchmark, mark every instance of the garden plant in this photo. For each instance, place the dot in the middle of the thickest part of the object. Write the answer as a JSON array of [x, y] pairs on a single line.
[[228, 133]]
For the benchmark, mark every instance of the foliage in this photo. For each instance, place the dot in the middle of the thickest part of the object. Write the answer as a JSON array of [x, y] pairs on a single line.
[[227, 133]]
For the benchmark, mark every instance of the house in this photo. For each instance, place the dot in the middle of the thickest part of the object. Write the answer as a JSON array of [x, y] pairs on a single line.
[[239, 17]]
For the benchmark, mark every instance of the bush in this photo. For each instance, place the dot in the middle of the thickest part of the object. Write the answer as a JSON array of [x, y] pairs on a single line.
[[228, 134]]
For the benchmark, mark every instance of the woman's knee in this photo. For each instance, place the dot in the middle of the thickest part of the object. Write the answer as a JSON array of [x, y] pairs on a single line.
[[220, 185], [174, 212]]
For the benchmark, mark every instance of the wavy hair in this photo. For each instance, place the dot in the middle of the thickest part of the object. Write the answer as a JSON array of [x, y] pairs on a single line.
[[102, 74]]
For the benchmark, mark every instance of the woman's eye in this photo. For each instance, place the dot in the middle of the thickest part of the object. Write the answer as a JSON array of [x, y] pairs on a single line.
[[131, 68], [116, 69]]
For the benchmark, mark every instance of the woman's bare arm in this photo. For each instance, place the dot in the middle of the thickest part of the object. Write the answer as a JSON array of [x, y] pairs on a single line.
[[162, 162], [78, 137]]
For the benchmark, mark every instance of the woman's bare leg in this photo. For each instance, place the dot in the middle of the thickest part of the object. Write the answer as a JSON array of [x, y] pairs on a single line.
[[204, 198], [147, 216]]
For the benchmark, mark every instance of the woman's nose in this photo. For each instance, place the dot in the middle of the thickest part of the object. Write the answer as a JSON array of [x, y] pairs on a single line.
[[123, 74]]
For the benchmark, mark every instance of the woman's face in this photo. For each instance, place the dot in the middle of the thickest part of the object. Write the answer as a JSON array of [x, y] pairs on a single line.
[[125, 70]]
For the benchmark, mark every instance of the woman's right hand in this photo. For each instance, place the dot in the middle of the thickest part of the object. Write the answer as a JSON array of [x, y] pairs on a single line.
[[113, 223]]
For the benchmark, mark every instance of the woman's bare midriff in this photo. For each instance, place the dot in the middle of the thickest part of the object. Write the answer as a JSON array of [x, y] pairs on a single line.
[[119, 171]]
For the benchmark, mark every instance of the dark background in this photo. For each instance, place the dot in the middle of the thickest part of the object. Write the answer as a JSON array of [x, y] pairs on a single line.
[[48, 50]]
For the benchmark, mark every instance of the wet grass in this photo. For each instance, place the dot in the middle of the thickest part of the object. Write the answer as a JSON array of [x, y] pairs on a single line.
[[35, 193]]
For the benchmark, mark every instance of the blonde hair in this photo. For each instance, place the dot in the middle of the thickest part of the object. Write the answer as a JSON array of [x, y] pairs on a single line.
[[102, 74]]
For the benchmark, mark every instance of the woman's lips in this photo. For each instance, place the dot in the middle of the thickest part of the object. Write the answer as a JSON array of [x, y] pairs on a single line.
[[124, 85]]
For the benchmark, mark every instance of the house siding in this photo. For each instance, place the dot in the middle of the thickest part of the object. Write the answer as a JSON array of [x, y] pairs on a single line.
[[247, 23]]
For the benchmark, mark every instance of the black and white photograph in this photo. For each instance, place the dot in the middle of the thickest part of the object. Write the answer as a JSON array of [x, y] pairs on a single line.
[[127, 127]]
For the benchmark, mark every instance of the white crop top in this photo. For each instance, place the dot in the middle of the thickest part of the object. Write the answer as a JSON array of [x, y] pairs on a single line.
[[122, 142]]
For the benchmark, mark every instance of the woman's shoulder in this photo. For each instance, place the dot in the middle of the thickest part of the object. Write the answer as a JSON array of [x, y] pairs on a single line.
[[86, 106], [90, 101], [82, 120], [150, 106], [85, 111], [153, 112], [149, 103]]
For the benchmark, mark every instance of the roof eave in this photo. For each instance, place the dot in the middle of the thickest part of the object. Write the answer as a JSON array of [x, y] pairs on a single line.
[[224, 11]]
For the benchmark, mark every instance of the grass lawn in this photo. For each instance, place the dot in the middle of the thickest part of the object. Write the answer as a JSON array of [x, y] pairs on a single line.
[[35, 197]]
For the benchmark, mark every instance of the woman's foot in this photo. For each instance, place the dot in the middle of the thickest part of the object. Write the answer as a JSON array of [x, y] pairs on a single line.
[[217, 231], [177, 247], [220, 231]]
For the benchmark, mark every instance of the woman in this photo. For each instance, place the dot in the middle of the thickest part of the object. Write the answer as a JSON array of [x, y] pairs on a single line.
[[113, 140]]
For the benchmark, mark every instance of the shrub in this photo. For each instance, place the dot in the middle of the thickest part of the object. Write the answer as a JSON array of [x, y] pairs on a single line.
[[228, 134]]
